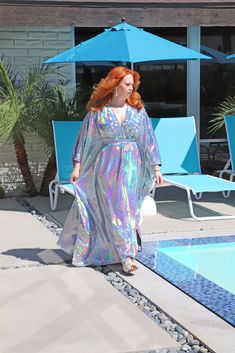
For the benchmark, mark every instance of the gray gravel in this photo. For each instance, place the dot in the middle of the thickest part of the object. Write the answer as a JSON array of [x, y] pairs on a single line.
[[189, 344]]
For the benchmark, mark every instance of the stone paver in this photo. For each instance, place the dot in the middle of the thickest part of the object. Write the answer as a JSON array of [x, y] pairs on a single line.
[[24, 240], [24, 232], [58, 309], [201, 322]]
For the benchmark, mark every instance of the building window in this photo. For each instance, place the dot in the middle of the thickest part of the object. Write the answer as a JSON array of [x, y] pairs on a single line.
[[163, 85], [217, 79]]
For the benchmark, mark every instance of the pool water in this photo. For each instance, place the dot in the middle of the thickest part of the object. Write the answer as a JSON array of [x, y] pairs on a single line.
[[216, 262], [203, 268]]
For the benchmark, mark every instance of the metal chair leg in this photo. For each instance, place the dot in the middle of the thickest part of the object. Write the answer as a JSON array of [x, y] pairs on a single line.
[[53, 193], [198, 196], [190, 203]]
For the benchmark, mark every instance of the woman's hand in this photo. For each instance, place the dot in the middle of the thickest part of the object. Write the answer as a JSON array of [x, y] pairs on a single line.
[[158, 176], [75, 173]]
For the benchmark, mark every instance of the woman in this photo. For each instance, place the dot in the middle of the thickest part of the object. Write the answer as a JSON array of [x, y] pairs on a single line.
[[115, 162]]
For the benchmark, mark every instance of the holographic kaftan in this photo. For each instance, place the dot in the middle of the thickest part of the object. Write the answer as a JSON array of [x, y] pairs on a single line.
[[115, 176]]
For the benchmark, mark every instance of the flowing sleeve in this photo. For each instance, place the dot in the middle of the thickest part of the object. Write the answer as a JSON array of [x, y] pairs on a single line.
[[149, 140], [86, 140]]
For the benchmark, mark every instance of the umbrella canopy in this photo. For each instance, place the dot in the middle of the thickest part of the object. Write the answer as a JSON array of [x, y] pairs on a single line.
[[125, 43]]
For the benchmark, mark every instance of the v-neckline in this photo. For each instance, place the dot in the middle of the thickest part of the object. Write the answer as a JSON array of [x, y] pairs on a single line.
[[114, 114]]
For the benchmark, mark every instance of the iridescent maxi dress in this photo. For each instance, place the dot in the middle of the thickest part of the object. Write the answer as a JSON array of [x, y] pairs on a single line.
[[115, 176]]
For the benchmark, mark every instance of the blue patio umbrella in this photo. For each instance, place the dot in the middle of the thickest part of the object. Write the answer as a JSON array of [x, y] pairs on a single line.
[[125, 43]]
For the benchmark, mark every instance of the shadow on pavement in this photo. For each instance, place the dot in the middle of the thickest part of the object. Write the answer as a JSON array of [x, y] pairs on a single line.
[[43, 256]]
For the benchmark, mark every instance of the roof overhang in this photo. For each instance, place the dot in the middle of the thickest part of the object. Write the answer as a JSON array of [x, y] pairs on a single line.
[[77, 13]]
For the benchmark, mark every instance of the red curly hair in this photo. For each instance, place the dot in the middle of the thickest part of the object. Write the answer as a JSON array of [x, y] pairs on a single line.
[[103, 91]]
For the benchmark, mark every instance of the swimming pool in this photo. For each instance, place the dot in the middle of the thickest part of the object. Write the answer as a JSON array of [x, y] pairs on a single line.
[[203, 268]]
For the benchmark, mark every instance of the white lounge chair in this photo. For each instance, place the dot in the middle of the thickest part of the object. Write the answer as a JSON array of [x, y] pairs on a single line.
[[178, 148]]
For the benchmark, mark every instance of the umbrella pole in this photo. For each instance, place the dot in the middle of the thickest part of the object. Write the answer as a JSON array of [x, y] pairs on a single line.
[[124, 63]]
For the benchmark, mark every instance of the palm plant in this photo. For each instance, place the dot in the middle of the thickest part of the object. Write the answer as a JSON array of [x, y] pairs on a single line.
[[29, 105], [19, 100], [226, 107], [61, 104]]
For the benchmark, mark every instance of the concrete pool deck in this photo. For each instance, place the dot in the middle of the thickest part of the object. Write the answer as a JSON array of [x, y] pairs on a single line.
[[28, 252]]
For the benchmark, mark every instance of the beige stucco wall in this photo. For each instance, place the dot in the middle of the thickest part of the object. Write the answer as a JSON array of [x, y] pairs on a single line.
[[24, 46]]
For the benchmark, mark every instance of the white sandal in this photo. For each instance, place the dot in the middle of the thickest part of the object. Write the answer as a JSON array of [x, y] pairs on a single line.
[[129, 266]]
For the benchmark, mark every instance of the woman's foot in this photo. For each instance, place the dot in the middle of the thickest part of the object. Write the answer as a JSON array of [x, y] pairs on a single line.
[[129, 266]]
